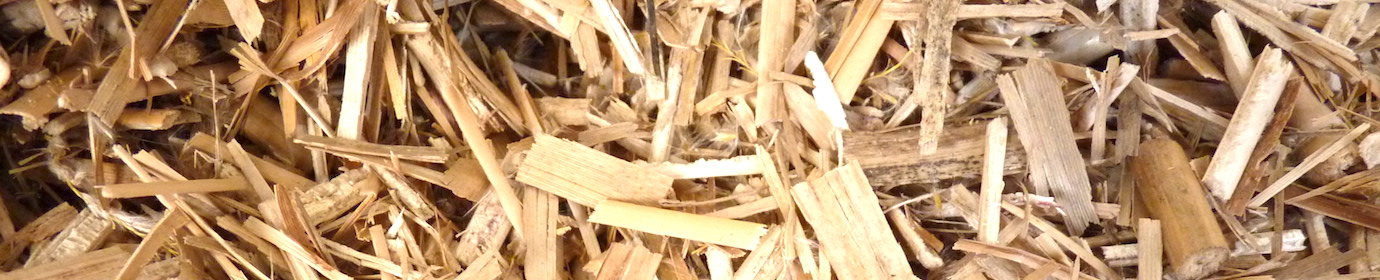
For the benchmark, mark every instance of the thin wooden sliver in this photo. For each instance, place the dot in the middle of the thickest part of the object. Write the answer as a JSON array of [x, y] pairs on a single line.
[[732, 233]]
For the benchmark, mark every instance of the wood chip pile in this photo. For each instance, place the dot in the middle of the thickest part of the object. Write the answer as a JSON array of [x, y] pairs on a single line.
[[689, 139]]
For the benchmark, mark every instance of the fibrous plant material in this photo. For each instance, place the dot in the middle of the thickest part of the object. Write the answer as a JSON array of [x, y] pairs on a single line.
[[97, 264], [737, 234], [1193, 242], [1041, 120], [1247, 123], [865, 250], [891, 157], [705, 139], [588, 177], [1150, 244], [993, 159]]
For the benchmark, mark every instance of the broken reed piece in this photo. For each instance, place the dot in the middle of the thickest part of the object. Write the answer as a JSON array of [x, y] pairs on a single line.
[[1358, 212], [155, 119], [931, 76], [39, 229], [98, 264], [1192, 238], [172, 220], [1313, 160], [1022, 257], [720, 231], [1033, 94], [708, 168], [1149, 238], [541, 239], [1257, 168], [1248, 123], [989, 210], [172, 187], [343, 145], [587, 176], [854, 235], [911, 10], [271, 171], [5, 70], [776, 30], [624, 260], [891, 157], [859, 42], [82, 233]]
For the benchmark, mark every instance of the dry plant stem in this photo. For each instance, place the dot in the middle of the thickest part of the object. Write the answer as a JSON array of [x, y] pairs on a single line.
[[708, 168], [52, 26], [1025, 258], [5, 69], [1343, 24], [764, 169], [989, 219], [931, 91], [80, 234], [826, 96], [913, 10], [1308, 164], [732, 233], [1361, 213], [40, 229], [891, 157], [1192, 52], [542, 240], [359, 52], [524, 99], [623, 42], [1260, 21], [1257, 169], [459, 105], [247, 17], [487, 230], [1041, 120], [38, 103], [1139, 16], [1236, 57], [173, 219], [1170, 191], [293, 249], [155, 119], [587, 176], [866, 250], [778, 17], [758, 264], [806, 114], [1114, 83], [97, 264], [917, 245], [173, 187], [156, 28], [1247, 124], [272, 172], [858, 45], [1149, 244], [780, 192], [1320, 264], [345, 145], [627, 261]]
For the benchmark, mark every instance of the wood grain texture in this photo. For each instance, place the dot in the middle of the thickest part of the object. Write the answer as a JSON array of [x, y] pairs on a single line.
[[1039, 114], [720, 231], [866, 249], [1193, 240], [588, 177], [891, 157]]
